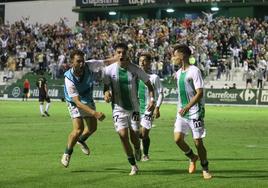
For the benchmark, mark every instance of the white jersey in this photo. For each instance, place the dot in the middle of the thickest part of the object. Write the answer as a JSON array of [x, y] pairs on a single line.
[[188, 81], [123, 83], [144, 97]]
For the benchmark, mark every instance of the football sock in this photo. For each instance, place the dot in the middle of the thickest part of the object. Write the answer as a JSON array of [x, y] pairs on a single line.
[[204, 165], [190, 154], [68, 151], [131, 160], [146, 144], [47, 107], [41, 109]]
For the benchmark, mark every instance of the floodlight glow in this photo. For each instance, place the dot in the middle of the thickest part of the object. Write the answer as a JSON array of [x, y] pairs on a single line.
[[112, 13], [214, 8], [170, 10]]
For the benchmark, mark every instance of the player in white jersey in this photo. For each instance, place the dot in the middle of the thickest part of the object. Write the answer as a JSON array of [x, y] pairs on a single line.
[[121, 79], [191, 109], [146, 116], [78, 89]]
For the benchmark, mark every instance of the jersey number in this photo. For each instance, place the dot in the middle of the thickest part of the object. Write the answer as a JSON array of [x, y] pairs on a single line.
[[148, 117], [136, 116], [197, 123], [115, 118]]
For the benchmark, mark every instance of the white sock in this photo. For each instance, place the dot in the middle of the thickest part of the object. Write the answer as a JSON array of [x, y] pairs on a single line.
[[41, 109], [47, 107]]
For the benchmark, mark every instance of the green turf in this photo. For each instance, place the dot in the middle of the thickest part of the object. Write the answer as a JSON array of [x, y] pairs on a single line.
[[31, 148]]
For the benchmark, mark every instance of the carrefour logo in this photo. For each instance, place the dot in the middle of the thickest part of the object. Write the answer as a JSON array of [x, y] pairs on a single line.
[[16, 92], [247, 95]]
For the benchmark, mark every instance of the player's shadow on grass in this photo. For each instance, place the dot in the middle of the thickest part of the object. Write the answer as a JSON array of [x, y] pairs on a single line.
[[125, 171], [118, 170], [237, 159], [162, 172], [166, 160], [238, 173]]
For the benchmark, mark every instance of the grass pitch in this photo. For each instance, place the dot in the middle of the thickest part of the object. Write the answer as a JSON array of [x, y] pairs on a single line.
[[31, 148]]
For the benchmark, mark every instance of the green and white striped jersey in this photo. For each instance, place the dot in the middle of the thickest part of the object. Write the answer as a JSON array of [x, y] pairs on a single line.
[[124, 85], [143, 94], [188, 81]]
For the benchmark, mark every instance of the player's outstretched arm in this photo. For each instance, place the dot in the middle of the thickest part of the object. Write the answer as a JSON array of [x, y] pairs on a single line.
[[111, 60], [98, 115]]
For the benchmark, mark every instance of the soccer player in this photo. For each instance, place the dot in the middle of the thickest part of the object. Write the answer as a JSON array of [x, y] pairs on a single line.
[[120, 88], [78, 90], [148, 116], [41, 84], [191, 111]]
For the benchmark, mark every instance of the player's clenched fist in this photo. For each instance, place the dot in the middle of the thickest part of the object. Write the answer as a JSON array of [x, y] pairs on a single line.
[[107, 96], [99, 116]]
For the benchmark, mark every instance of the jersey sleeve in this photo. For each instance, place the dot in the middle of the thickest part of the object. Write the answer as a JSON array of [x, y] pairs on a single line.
[[159, 90], [197, 79], [106, 77], [158, 85], [95, 65], [70, 87]]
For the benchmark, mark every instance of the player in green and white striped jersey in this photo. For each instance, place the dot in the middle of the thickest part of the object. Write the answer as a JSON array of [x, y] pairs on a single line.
[[144, 99], [120, 87], [190, 114]]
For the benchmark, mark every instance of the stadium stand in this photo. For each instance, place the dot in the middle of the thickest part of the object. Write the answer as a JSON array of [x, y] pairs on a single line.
[[46, 47]]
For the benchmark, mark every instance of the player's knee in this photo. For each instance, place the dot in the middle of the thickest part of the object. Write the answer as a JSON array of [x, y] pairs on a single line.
[[198, 143], [179, 140], [78, 132], [124, 138], [141, 135], [145, 136]]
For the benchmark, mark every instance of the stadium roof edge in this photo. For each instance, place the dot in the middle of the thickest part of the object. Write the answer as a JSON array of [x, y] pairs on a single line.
[[159, 6]]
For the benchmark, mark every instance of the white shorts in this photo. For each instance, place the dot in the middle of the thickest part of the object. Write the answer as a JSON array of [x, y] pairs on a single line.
[[124, 118], [76, 112], [197, 127], [146, 120]]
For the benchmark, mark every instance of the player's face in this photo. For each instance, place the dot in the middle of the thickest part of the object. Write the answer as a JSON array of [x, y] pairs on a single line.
[[145, 65], [177, 57], [121, 54], [78, 65]]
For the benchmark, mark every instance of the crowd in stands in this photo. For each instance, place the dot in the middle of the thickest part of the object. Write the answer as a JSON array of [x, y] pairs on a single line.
[[223, 43]]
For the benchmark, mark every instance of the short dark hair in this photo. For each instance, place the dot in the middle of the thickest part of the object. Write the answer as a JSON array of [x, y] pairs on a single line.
[[183, 48], [121, 45], [76, 52], [147, 56]]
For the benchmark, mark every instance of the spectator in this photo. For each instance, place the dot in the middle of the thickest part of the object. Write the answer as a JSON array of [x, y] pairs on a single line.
[[9, 74], [260, 78], [233, 87], [249, 78]]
